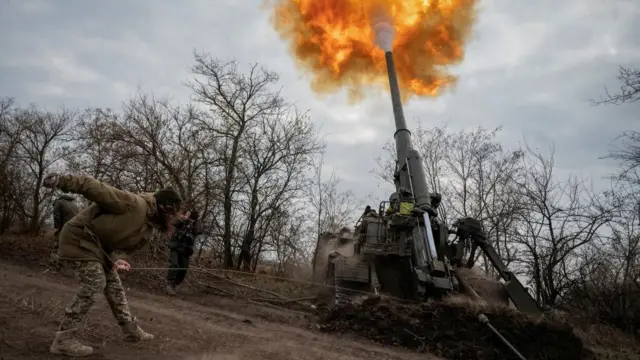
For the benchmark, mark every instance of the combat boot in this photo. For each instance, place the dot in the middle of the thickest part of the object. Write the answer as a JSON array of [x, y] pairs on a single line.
[[133, 333], [53, 264], [66, 343], [171, 290]]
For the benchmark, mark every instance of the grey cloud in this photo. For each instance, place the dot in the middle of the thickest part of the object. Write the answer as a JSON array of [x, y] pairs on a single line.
[[532, 67]]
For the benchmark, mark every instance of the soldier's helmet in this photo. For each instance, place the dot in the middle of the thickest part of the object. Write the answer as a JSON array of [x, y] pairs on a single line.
[[393, 197], [168, 197]]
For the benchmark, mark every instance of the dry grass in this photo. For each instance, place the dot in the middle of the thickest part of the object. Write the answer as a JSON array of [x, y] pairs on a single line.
[[599, 337], [33, 250]]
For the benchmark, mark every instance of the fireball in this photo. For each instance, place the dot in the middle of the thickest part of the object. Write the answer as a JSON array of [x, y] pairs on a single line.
[[336, 42]]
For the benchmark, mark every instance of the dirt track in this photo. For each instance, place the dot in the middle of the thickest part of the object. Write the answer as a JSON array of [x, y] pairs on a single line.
[[32, 304]]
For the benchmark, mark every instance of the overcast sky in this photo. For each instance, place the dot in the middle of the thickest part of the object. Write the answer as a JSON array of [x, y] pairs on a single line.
[[532, 68]]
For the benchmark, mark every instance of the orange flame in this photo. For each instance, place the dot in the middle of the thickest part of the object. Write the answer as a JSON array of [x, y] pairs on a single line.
[[335, 41]]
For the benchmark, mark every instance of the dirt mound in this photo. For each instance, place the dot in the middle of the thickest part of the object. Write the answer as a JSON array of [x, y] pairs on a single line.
[[488, 289], [453, 331]]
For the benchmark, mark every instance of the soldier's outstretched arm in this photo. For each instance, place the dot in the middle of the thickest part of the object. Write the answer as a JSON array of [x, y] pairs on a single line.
[[107, 197]]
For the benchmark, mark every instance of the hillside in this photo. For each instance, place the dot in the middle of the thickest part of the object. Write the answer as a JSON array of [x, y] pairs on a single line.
[[220, 317]]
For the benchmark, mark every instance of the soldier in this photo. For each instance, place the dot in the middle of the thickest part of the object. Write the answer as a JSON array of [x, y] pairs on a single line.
[[181, 248], [63, 210], [95, 243], [400, 204], [393, 203], [368, 211]]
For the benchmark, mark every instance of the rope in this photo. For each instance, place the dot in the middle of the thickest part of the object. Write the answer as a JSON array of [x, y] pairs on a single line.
[[230, 271], [209, 270]]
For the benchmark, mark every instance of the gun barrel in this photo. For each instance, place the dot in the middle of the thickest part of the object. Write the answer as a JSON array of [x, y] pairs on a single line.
[[410, 174], [402, 134], [410, 178]]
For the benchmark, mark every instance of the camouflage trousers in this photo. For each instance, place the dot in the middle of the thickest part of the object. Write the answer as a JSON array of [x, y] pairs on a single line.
[[94, 279], [53, 262]]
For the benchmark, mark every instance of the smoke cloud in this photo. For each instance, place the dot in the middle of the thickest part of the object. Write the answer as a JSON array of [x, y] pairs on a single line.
[[384, 30], [340, 44]]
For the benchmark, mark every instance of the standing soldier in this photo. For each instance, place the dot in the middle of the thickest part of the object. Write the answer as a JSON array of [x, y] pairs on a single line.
[[63, 210], [95, 243], [181, 248]]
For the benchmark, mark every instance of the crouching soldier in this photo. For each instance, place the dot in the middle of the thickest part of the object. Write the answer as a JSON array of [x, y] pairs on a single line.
[[181, 248], [63, 210], [93, 244]]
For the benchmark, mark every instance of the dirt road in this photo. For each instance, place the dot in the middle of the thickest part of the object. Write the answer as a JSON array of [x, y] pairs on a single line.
[[32, 302]]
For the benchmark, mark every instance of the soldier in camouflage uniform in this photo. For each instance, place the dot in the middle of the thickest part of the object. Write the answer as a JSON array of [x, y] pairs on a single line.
[[95, 243], [63, 210], [181, 248]]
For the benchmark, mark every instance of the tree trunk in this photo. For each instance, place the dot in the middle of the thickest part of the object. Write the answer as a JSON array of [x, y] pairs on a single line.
[[34, 224], [231, 167], [244, 259]]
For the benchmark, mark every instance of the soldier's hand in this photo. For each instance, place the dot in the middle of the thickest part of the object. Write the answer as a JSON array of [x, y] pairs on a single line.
[[50, 181], [121, 265]]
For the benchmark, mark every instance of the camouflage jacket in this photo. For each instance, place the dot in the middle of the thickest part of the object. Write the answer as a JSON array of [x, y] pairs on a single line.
[[63, 210], [115, 224]]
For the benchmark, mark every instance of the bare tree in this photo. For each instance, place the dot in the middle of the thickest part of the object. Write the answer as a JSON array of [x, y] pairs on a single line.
[[237, 102], [561, 218], [286, 238], [332, 209], [608, 286], [624, 244], [12, 174], [167, 136], [629, 89], [627, 153], [40, 137], [277, 152], [483, 185], [96, 155]]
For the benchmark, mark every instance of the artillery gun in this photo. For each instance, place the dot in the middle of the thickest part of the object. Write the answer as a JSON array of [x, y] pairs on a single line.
[[403, 249]]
